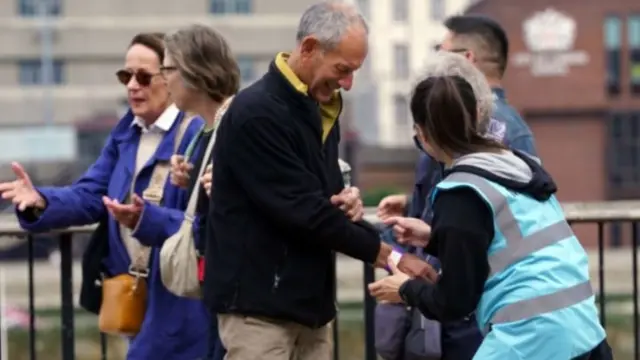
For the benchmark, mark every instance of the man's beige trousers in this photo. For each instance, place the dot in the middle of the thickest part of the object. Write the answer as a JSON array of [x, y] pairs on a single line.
[[252, 338]]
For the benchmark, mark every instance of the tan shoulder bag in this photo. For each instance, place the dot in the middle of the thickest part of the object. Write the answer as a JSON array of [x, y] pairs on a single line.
[[124, 297], [178, 256]]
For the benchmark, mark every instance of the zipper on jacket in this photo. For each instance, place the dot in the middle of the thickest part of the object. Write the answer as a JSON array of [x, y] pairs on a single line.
[[276, 275], [234, 298]]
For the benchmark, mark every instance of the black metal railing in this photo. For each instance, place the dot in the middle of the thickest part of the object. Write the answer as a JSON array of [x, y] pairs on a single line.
[[67, 308], [617, 213]]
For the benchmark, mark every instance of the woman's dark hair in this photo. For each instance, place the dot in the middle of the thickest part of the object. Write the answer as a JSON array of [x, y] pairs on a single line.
[[152, 40], [446, 110]]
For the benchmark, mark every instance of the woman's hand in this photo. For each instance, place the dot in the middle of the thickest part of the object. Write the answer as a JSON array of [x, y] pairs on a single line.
[[392, 205], [410, 231], [180, 169], [207, 178], [388, 289], [21, 191], [125, 214]]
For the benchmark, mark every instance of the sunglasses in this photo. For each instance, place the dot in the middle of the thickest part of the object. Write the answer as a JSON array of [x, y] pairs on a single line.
[[142, 77]]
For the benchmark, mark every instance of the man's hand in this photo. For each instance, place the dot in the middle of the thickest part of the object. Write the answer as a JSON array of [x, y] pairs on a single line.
[[410, 231], [207, 178], [383, 255], [392, 205], [21, 191], [126, 214], [350, 202], [416, 267], [180, 169]]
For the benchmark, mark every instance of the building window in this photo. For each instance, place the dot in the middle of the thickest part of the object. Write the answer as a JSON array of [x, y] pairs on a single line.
[[401, 110], [90, 144], [612, 39], [365, 8], [230, 6], [624, 154], [400, 10], [30, 72], [247, 70], [438, 10], [31, 7], [401, 64], [633, 35]]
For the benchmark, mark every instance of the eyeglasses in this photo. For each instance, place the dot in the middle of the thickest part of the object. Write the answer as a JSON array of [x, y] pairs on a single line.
[[464, 50], [417, 143], [416, 140], [455, 50], [165, 70], [142, 77]]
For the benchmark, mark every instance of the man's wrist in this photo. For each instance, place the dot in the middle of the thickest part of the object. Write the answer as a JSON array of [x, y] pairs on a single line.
[[395, 256]]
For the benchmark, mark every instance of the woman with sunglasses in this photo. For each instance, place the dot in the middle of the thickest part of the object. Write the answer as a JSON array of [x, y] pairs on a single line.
[[202, 76], [506, 249], [113, 192]]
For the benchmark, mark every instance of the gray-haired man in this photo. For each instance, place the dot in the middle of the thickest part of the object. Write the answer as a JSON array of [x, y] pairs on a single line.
[[280, 209]]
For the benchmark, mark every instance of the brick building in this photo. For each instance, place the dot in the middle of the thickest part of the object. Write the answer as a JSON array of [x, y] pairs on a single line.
[[574, 74]]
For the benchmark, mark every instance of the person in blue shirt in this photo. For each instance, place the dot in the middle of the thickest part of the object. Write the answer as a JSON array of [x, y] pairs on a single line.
[[507, 252], [485, 44]]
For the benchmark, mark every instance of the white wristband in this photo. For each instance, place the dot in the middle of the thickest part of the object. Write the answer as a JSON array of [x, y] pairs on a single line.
[[395, 256]]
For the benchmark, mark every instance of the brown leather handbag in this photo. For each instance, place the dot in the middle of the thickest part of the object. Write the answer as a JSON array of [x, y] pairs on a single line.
[[124, 297], [124, 302]]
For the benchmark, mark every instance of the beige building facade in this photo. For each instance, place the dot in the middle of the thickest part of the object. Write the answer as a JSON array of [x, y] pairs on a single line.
[[89, 39]]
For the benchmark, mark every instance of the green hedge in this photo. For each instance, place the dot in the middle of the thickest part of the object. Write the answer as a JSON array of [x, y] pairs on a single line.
[[374, 196]]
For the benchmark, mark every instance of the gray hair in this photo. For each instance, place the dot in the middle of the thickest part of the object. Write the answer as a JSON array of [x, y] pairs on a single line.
[[329, 21], [444, 63], [204, 59]]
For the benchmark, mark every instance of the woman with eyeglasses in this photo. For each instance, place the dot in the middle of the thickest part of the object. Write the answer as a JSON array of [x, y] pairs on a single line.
[[129, 176], [506, 249], [202, 76]]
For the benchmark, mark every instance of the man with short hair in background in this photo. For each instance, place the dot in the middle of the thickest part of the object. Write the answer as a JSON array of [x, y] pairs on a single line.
[[484, 42]]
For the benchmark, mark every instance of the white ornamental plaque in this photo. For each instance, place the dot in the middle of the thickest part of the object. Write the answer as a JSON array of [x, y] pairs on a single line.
[[549, 36]]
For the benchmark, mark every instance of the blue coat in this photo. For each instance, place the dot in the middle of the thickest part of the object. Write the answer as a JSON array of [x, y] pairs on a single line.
[[173, 327]]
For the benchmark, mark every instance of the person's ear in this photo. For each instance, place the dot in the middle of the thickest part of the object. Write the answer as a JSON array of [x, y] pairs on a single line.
[[470, 55], [309, 46]]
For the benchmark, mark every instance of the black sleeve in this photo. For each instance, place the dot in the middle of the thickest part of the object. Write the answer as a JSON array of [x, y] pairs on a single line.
[[265, 163], [463, 230]]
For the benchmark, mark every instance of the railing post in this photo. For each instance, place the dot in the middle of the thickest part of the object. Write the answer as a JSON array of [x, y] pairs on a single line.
[[103, 346], [32, 295], [66, 290], [634, 269], [336, 333], [601, 273], [369, 312]]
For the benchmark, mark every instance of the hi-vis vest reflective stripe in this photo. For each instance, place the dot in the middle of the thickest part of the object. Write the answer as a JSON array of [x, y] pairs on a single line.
[[519, 247]]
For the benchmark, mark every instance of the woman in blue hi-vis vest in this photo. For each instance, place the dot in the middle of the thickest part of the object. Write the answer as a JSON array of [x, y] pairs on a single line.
[[506, 249]]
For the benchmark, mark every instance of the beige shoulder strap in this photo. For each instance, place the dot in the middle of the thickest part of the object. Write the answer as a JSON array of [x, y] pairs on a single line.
[[193, 198], [154, 193]]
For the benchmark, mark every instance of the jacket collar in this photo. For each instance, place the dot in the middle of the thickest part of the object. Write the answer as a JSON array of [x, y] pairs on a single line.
[[329, 112], [162, 124], [498, 93]]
